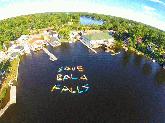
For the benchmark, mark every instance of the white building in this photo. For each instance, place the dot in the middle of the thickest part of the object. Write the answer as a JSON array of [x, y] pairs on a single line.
[[3, 56], [23, 39]]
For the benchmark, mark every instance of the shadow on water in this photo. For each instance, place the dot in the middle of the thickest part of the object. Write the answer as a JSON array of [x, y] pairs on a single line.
[[147, 69], [119, 105], [126, 58], [118, 94], [160, 77], [137, 60]]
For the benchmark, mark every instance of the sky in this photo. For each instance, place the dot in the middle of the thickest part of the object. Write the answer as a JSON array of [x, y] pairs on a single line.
[[151, 12]]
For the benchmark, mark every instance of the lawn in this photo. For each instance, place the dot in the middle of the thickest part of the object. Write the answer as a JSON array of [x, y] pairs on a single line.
[[64, 40], [98, 36]]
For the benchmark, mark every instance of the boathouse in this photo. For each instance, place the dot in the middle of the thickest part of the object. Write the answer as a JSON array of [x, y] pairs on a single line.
[[97, 39]]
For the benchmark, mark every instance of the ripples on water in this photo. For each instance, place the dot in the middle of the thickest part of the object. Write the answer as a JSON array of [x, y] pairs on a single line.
[[124, 89]]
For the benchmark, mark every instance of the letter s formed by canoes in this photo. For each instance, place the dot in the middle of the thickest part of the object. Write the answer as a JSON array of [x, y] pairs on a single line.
[[60, 69], [86, 86]]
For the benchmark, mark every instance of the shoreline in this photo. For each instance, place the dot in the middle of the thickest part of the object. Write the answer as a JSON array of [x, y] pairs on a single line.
[[133, 50], [12, 87]]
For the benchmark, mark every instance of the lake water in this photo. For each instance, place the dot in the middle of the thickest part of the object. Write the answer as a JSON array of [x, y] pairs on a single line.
[[89, 21], [123, 89]]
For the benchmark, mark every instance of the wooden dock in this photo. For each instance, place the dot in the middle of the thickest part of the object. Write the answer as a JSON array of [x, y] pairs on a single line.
[[55, 43], [52, 56], [88, 46]]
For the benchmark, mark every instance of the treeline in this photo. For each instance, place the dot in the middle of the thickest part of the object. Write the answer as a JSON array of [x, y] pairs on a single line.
[[63, 23], [13, 28], [142, 37]]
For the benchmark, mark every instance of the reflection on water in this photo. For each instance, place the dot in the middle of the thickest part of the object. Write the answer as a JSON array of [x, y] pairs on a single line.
[[137, 60], [126, 58], [147, 69], [160, 77]]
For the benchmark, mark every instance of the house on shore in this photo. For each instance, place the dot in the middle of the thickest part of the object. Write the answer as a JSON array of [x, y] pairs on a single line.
[[54, 40], [23, 41], [98, 39], [14, 51], [112, 32], [14, 55], [36, 44], [3, 56], [75, 35]]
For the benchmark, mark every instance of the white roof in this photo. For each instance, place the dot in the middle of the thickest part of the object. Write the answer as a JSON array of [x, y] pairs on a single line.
[[2, 56]]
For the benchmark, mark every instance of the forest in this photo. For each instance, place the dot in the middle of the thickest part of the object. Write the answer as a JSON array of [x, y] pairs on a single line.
[[142, 37]]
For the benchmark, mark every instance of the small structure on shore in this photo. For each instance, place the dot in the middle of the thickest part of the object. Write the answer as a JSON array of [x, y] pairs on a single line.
[[75, 35], [3, 56], [54, 40], [97, 39]]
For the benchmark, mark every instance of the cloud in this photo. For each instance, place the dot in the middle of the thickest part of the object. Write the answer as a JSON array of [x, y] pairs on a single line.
[[148, 8], [158, 1], [150, 11], [148, 16], [4, 0]]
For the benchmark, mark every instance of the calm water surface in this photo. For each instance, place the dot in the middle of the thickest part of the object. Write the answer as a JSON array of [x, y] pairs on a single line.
[[89, 21], [124, 89]]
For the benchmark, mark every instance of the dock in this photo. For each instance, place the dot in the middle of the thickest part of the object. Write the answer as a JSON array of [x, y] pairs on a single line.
[[52, 56], [55, 43], [88, 46]]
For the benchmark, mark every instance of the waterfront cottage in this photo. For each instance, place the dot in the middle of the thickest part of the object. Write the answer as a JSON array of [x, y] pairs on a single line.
[[3, 56], [13, 50], [19, 49], [54, 41], [98, 39], [23, 39], [14, 56], [36, 44], [26, 48], [74, 35], [112, 32]]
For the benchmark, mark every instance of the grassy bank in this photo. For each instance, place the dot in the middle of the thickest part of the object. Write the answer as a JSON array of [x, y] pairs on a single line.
[[10, 76]]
